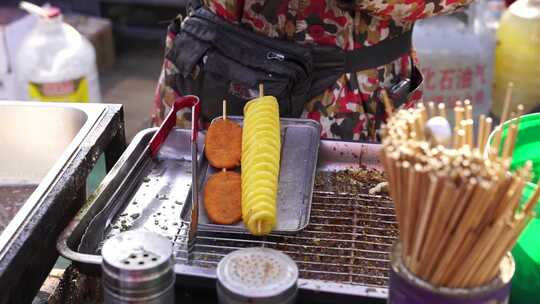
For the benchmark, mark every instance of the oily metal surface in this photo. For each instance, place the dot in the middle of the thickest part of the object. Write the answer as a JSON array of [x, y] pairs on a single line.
[[151, 195], [344, 249], [347, 241], [299, 149], [12, 197], [33, 137], [343, 252]]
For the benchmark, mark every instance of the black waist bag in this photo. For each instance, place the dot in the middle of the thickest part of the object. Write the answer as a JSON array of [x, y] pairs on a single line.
[[218, 60]]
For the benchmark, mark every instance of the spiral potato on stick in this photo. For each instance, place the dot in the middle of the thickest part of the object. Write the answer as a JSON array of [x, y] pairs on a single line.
[[261, 148]]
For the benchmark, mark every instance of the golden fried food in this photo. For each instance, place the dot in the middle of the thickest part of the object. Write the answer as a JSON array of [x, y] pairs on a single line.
[[223, 198], [260, 164], [223, 145]]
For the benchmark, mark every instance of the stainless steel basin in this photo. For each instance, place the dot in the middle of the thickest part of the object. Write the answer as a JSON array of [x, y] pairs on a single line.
[[36, 141]]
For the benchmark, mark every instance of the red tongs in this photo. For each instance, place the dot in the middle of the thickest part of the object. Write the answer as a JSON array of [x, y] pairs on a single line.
[[159, 138]]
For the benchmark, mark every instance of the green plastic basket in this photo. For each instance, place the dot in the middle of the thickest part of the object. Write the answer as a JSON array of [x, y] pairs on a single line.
[[526, 281]]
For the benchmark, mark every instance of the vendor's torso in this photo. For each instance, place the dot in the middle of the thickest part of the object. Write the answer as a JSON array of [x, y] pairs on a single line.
[[322, 22]]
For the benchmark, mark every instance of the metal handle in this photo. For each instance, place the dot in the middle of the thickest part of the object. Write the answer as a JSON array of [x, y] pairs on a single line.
[[192, 234], [161, 136], [170, 122]]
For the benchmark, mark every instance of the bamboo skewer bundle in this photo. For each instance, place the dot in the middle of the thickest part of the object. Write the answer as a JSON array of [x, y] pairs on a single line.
[[458, 210]]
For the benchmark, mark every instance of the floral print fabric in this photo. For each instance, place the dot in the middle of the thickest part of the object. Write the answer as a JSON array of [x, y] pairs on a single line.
[[351, 108]]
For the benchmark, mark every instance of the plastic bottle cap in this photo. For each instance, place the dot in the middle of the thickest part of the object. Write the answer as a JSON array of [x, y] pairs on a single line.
[[53, 12], [46, 11]]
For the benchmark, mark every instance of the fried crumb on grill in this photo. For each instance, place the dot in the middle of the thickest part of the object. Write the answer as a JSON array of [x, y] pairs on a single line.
[[349, 236]]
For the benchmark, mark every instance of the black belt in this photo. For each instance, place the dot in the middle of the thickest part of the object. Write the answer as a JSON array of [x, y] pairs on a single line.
[[329, 63], [367, 57]]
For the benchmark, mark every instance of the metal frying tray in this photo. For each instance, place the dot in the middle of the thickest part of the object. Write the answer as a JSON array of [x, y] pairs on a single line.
[[342, 254], [300, 140]]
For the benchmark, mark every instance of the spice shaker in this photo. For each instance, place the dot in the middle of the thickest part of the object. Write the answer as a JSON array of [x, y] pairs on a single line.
[[257, 275], [138, 268]]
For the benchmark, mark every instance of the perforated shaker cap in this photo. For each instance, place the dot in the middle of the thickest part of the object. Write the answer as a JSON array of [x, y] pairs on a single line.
[[258, 273], [137, 263]]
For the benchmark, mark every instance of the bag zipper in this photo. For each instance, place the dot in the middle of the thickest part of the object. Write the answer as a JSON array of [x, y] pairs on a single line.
[[281, 57]]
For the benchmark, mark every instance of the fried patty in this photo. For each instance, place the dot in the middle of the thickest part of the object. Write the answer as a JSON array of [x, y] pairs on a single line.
[[223, 145], [223, 198]]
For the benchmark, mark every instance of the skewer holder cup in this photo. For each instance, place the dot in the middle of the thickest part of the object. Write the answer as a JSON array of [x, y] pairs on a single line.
[[407, 288]]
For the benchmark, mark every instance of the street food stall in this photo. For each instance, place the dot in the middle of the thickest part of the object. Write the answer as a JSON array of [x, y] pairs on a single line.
[[255, 207], [337, 229]]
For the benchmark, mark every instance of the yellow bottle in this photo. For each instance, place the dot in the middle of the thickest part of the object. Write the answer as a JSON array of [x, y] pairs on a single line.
[[517, 57]]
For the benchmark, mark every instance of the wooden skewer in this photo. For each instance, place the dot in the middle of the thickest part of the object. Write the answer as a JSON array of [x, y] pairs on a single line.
[[507, 100], [497, 138], [419, 126], [458, 115], [414, 176], [509, 142], [447, 231], [482, 247], [224, 118], [442, 110], [470, 133], [520, 110], [462, 237], [463, 126], [496, 142], [531, 203], [485, 136], [224, 109], [466, 125], [261, 90], [453, 225], [431, 108], [405, 204], [514, 199], [455, 139], [417, 208], [461, 137], [481, 127], [468, 109], [423, 114], [434, 186], [490, 265], [446, 199]]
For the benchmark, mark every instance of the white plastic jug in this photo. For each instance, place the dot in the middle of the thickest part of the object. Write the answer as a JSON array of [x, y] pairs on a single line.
[[455, 63], [55, 62]]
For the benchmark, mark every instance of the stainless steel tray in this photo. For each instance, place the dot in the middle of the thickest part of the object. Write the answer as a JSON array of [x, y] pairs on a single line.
[[342, 254], [144, 192], [300, 140]]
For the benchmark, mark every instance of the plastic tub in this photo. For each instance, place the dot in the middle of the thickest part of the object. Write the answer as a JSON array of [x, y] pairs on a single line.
[[526, 282]]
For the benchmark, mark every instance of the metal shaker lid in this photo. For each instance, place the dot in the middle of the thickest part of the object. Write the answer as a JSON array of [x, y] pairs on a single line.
[[258, 273], [137, 262]]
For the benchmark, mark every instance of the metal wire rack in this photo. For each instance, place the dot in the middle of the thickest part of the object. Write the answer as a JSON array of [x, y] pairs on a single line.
[[347, 241]]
